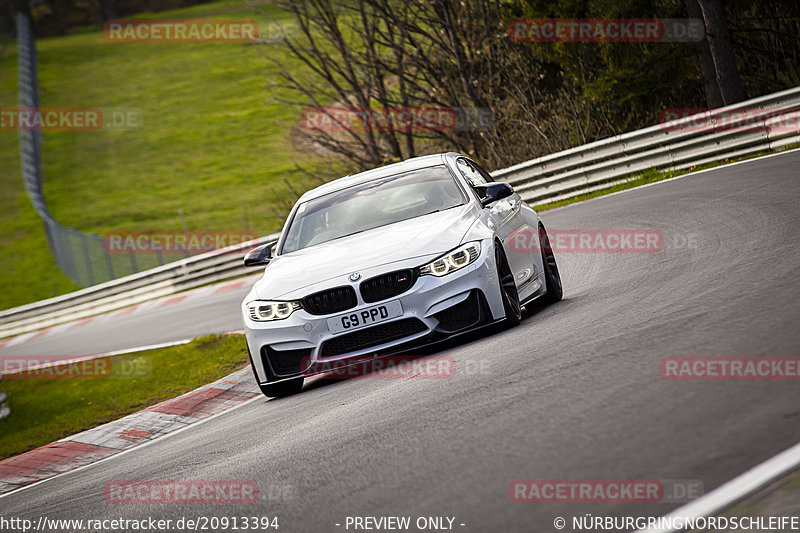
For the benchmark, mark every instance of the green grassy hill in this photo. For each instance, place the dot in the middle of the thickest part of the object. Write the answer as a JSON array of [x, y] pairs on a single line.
[[214, 143]]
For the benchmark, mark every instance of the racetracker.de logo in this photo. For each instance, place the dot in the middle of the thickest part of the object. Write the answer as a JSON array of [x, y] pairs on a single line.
[[387, 367], [16, 367], [191, 242], [181, 492], [779, 120], [605, 490], [589, 241], [731, 368], [175, 31], [403, 119], [69, 119], [545, 30], [586, 490]]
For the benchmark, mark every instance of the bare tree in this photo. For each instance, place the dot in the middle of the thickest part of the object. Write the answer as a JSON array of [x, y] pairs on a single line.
[[716, 58], [440, 54]]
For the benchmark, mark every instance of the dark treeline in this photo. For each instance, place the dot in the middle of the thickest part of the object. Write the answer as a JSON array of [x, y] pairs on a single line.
[[54, 17], [544, 97]]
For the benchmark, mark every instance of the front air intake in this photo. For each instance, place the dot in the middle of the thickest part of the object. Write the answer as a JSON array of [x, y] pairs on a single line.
[[387, 285], [330, 301]]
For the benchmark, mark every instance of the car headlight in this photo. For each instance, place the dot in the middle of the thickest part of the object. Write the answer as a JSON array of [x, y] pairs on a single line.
[[265, 311], [452, 261]]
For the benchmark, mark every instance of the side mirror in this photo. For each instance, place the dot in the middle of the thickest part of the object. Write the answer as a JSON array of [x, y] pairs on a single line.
[[259, 256], [496, 191]]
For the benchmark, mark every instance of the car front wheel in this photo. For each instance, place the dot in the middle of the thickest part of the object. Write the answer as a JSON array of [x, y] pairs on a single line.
[[508, 288]]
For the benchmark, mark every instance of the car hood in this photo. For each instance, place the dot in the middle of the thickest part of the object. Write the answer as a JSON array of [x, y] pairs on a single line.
[[417, 238]]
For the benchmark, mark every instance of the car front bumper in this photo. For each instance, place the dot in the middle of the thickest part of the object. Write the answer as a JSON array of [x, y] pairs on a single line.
[[434, 307]]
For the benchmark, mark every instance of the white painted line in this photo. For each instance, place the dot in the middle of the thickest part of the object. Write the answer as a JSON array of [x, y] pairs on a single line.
[[737, 489], [720, 167], [149, 347]]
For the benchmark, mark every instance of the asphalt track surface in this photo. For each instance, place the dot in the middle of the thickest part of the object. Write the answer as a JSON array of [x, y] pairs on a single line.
[[189, 318], [574, 392]]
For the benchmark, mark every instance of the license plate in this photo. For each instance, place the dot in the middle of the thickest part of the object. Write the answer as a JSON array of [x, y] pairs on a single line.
[[365, 317]]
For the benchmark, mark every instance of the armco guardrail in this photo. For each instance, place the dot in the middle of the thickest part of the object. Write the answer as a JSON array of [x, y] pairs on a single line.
[[672, 145], [210, 267], [675, 145]]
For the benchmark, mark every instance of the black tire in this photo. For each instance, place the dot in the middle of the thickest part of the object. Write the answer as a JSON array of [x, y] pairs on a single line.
[[282, 389], [508, 288], [552, 278]]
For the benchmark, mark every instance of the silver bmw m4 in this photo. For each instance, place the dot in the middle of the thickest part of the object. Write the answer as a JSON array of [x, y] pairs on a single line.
[[389, 260]]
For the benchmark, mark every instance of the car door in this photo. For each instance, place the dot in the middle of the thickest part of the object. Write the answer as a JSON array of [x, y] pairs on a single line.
[[504, 215]]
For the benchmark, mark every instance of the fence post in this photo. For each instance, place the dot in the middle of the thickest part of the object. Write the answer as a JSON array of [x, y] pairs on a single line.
[[86, 256], [109, 264]]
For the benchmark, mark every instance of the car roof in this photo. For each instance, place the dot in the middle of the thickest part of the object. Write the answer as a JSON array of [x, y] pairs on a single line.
[[415, 163]]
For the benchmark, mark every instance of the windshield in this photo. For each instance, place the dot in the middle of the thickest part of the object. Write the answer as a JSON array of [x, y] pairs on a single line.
[[371, 205]]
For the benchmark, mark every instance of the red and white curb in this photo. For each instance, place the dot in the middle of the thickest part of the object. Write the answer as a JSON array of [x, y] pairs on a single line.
[[126, 433]]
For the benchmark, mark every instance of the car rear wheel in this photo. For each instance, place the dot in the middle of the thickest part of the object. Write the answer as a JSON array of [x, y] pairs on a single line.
[[508, 288], [551, 275]]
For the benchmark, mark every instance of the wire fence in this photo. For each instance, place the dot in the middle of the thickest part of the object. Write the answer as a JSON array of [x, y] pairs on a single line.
[[83, 257]]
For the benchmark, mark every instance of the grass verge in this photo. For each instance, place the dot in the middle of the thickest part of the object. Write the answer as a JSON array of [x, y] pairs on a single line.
[[214, 143], [44, 410]]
